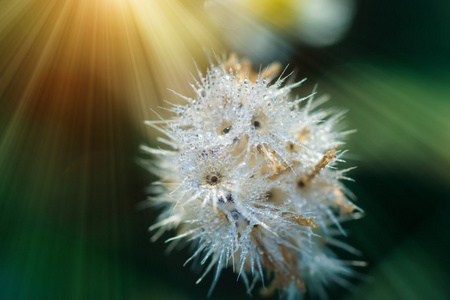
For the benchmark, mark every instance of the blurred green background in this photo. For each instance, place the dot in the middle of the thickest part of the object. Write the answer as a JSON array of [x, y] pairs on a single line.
[[77, 79]]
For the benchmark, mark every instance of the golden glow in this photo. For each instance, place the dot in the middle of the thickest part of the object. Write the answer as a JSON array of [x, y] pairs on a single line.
[[134, 49]]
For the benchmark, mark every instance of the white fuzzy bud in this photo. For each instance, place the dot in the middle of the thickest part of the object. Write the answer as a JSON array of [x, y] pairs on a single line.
[[252, 180]]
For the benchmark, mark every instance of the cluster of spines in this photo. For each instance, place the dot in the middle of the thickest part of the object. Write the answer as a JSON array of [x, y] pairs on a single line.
[[251, 178]]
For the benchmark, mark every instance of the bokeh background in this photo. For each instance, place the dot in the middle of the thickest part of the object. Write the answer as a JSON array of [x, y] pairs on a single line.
[[78, 78]]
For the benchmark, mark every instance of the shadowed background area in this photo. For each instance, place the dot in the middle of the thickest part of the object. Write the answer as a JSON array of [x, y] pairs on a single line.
[[78, 78]]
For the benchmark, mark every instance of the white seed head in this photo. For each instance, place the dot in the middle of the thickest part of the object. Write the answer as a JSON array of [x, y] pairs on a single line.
[[252, 180]]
